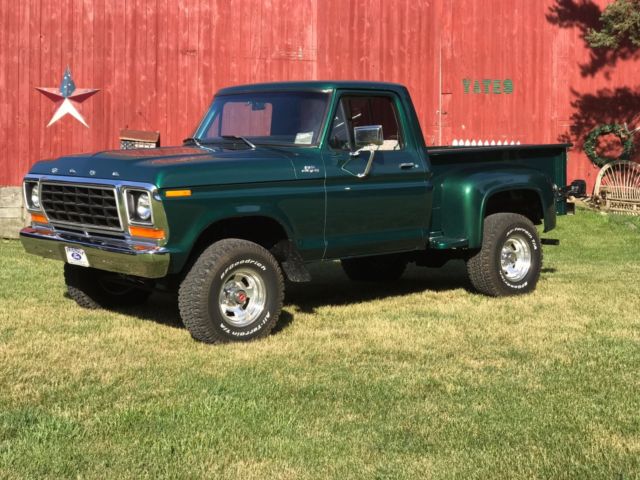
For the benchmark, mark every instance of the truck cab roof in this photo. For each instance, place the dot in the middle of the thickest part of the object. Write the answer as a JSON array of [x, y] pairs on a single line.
[[313, 86]]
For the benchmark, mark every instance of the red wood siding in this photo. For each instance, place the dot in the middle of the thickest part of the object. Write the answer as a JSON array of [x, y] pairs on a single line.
[[158, 63]]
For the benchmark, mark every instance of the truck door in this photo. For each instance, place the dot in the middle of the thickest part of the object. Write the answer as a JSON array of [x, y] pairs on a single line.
[[384, 209]]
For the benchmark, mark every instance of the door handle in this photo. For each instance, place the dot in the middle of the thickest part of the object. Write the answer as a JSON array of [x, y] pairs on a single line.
[[407, 166]]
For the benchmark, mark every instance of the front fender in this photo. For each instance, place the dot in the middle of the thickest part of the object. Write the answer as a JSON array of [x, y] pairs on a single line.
[[464, 196], [189, 217]]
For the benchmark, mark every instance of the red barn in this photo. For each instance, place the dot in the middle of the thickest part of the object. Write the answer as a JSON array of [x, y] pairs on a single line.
[[499, 70]]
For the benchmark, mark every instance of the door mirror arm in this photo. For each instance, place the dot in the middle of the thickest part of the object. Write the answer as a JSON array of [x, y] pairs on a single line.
[[367, 169]]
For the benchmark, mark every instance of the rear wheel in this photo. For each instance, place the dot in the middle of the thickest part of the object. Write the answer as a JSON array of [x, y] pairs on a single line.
[[381, 268], [93, 288], [233, 292], [510, 259]]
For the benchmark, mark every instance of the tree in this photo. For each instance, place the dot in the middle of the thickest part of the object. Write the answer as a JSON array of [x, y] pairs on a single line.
[[620, 24]]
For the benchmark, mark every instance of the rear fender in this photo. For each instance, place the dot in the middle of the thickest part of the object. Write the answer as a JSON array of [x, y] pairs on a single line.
[[465, 194]]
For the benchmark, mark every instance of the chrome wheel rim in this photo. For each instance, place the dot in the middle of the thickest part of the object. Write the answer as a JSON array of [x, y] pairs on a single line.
[[515, 257], [242, 297]]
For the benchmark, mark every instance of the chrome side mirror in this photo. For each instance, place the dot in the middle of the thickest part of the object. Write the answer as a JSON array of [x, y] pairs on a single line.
[[365, 137], [368, 135]]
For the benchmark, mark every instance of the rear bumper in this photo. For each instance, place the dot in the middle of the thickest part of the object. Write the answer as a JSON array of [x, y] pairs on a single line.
[[141, 260]]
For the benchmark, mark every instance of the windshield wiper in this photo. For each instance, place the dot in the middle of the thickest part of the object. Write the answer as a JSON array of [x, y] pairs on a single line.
[[235, 137], [212, 141]]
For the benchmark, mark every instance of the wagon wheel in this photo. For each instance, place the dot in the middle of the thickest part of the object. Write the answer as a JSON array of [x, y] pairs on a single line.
[[618, 187]]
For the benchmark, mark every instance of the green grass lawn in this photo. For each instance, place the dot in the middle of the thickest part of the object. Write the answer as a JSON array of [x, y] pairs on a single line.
[[417, 379]]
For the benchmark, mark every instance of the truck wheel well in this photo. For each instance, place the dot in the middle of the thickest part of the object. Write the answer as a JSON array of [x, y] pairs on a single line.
[[523, 202], [264, 231]]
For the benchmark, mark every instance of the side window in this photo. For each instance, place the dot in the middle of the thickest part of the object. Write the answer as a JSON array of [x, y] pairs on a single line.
[[362, 111], [383, 112]]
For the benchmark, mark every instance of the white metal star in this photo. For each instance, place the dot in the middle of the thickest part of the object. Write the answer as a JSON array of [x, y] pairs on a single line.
[[66, 108]]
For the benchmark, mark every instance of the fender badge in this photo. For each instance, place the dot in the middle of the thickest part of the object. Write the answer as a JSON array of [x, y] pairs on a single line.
[[54, 170], [115, 174], [92, 172], [71, 170]]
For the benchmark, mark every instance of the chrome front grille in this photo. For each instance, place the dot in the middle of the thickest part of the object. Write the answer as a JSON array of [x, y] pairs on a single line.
[[92, 206]]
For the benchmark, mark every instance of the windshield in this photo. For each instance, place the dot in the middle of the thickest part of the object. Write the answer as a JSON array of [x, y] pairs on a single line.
[[286, 118]]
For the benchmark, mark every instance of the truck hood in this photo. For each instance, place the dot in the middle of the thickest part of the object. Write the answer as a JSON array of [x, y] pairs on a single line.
[[171, 167]]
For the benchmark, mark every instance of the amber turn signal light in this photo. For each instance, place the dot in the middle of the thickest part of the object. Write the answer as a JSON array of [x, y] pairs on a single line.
[[178, 193], [147, 232], [38, 218]]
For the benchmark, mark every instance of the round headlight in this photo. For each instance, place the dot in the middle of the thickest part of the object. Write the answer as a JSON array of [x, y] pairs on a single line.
[[143, 207], [35, 197]]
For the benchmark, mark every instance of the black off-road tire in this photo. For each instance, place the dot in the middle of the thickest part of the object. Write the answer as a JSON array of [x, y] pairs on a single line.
[[382, 268], [91, 288], [485, 267], [200, 291]]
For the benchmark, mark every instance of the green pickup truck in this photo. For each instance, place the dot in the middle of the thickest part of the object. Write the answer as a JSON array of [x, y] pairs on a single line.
[[279, 175]]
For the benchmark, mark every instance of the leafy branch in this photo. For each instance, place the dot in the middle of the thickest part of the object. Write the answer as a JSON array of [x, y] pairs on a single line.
[[620, 24]]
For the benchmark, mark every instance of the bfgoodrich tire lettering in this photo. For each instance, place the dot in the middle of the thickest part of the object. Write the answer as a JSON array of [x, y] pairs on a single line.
[[510, 259], [233, 292]]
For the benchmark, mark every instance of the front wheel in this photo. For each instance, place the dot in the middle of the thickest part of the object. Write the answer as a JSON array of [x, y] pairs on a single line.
[[233, 292], [510, 259]]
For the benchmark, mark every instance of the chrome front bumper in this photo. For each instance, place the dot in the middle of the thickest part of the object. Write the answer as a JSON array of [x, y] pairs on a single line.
[[121, 257]]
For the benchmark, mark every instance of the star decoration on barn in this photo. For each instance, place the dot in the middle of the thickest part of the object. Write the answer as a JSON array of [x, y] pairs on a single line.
[[67, 97]]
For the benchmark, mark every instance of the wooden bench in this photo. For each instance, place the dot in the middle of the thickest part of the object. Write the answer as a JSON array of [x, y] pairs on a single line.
[[617, 187]]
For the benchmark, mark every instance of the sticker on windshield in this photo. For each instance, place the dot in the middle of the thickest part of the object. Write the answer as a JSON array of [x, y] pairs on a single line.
[[304, 138]]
